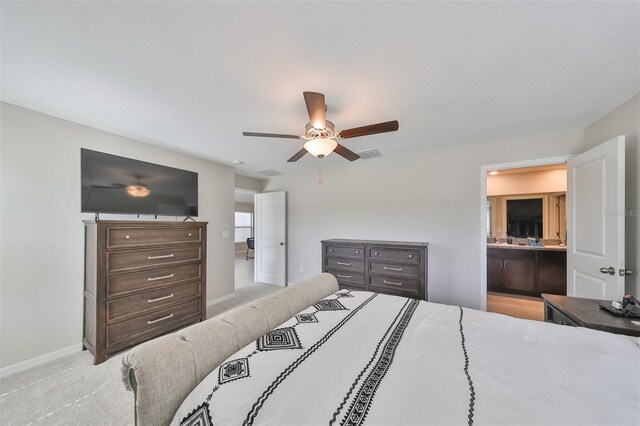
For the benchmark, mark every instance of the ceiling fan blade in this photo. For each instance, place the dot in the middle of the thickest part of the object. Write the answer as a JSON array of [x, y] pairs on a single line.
[[270, 135], [297, 156], [346, 153], [372, 129], [317, 109], [111, 186]]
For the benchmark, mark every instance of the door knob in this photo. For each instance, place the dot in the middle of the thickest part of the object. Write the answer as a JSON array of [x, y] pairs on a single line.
[[610, 270], [625, 272], [281, 243]]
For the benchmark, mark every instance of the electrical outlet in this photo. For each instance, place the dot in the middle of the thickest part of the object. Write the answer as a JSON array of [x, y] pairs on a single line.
[[225, 234]]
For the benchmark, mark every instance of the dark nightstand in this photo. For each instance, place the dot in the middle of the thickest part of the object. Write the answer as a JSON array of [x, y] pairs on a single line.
[[579, 312]]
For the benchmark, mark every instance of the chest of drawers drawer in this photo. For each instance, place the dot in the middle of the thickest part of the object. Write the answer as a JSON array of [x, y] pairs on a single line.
[[118, 261], [342, 251], [151, 322], [122, 284], [350, 279], [346, 264], [394, 269], [119, 237], [395, 285], [395, 255], [557, 317], [140, 303]]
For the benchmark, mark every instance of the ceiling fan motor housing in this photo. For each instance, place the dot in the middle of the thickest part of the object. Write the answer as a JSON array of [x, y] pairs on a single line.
[[328, 132]]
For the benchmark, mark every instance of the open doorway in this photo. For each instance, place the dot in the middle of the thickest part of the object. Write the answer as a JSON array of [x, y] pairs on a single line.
[[244, 233], [525, 236], [595, 229]]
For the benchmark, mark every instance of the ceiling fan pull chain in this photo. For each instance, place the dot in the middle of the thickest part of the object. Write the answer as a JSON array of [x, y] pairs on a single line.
[[320, 172]]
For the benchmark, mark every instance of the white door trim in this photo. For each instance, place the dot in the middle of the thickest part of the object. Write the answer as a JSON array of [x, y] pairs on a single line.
[[483, 210]]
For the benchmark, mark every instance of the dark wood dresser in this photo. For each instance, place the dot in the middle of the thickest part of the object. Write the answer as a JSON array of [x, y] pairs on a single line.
[[390, 267], [142, 279], [581, 312]]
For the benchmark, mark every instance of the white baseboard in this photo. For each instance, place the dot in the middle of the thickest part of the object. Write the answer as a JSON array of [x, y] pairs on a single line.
[[39, 360], [220, 299]]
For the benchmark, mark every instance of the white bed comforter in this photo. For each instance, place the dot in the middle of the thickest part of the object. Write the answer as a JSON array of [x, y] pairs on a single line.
[[360, 357]]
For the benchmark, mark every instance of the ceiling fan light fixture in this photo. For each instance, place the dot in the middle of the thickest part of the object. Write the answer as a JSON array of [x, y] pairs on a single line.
[[138, 190], [320, 147]]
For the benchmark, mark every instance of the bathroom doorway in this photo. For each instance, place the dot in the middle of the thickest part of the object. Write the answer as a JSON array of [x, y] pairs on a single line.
[[524, 242]]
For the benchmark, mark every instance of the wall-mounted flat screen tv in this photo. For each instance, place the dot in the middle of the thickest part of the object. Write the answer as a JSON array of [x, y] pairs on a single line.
[[113, 184], [524, 218]]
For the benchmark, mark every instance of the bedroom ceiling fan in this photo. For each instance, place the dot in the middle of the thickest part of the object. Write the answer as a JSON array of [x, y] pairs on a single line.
[[320, 134]]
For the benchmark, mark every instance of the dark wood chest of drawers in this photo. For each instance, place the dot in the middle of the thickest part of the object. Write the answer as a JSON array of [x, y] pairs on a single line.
[[142, 279], [390, 267]]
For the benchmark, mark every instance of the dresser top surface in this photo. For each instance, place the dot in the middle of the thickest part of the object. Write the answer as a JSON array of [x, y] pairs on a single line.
[[376, 242], [142, 222], [587, 313]]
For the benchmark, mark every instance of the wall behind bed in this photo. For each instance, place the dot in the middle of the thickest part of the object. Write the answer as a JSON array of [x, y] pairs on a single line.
[[432, 194], [42, 235]]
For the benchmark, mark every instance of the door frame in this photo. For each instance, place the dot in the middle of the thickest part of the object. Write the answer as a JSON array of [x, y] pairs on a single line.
[[483, 206]]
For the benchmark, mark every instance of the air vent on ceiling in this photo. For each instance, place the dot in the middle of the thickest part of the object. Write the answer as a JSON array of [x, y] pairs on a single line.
[[369, 153], [269, 172]]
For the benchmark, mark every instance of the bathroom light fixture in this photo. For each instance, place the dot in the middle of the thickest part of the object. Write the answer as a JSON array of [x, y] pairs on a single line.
[[320, 147], [493, 172], [138, 190]]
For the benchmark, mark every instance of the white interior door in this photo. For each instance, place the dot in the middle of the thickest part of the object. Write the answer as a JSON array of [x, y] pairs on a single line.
[[595, 222], [270, 238]]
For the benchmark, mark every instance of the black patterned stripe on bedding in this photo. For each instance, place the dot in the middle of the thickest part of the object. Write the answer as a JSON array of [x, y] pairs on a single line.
[[472, 392], [366, 367], [255, 409], [363, 400]]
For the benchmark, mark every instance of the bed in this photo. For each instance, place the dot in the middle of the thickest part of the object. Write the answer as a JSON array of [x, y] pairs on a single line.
[[354, 357]]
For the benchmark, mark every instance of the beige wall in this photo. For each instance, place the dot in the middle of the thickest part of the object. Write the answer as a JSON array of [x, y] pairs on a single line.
[[249, 183], [42, 245], [244, 207], [625, 120], [430, 195], [527, 182]]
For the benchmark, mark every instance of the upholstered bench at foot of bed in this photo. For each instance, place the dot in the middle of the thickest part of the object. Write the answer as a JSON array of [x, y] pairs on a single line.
[[162, 372]]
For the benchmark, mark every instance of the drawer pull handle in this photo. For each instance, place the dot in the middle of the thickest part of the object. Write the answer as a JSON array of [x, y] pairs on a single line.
[[392, 282], [330, 249], [126, 237], [189, 234], [410, 256], [344, 264], [388, 268], [164, 256], [160, 319], [160, 278], [375, 252], [160, 298], [344, 276], [357, 251]]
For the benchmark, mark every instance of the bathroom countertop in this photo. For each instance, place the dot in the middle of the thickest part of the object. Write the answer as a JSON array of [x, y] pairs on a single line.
[[524, 247]]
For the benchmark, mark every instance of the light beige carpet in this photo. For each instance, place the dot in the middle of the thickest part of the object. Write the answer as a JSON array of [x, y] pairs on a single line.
[[73, 391]]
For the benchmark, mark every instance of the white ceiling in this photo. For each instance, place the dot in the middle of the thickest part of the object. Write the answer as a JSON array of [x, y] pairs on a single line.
[[193, 75]]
